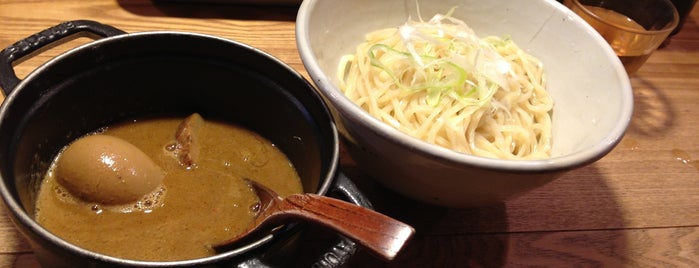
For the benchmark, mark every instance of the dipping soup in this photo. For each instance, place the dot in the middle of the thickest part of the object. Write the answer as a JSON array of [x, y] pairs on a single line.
[[200, 202]]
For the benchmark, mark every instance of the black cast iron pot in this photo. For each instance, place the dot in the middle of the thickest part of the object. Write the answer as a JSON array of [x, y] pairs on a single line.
[[124, 76]]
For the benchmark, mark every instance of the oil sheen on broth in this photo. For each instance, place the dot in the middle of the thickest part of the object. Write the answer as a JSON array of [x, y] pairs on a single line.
[[195, 207]]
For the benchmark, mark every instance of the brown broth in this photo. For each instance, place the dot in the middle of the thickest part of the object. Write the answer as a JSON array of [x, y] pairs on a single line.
[[196, 208]]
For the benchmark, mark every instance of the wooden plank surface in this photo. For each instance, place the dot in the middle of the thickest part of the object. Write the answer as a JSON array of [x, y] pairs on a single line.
[[637, 207]]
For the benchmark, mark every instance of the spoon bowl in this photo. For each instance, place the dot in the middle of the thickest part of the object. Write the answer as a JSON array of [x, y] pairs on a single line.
[[379, 233]]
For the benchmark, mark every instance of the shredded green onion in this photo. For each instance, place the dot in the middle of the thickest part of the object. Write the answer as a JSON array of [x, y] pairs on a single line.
[[444, 58]]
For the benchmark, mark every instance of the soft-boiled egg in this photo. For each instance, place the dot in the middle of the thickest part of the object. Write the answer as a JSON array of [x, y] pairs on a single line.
[[107, 170]]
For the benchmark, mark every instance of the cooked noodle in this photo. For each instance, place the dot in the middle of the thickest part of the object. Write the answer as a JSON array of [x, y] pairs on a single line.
[[437, 81]]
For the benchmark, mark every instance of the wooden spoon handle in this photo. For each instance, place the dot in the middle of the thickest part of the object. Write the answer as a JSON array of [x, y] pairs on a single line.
[[379, 233]]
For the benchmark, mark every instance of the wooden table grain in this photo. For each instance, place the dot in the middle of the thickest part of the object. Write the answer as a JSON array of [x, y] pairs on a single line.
[[636, 207]]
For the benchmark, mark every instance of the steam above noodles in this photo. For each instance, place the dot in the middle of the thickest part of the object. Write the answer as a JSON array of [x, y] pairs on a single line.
[[437, 81]]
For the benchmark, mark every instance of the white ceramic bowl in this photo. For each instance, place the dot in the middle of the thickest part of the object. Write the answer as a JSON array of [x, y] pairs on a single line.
[[591, 90]]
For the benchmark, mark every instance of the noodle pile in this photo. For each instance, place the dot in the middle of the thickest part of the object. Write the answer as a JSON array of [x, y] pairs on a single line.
[[437, 81]]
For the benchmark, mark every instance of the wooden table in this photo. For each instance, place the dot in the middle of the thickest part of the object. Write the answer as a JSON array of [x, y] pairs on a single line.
[[637, 207]]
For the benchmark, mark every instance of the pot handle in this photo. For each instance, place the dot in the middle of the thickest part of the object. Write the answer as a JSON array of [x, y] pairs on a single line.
[[34, 43]]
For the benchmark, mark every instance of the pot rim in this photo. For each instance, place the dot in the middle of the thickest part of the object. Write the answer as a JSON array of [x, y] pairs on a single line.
[[21, 217]]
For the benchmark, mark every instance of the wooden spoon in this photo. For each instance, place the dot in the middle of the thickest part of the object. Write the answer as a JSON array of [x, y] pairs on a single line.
[[382, 235]]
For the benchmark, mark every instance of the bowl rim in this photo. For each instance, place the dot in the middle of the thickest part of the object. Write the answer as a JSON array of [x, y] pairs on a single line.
[[569, 161]]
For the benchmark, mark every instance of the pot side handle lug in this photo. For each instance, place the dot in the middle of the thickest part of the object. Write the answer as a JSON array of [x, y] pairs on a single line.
[[35, 42], [344, 248]]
